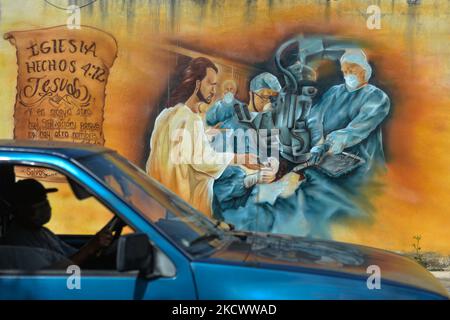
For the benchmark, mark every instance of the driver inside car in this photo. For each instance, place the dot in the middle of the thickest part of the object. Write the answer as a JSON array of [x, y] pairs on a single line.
[[31, 211]]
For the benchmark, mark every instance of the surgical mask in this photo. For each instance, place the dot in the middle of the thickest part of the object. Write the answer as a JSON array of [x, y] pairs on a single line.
[[351, 81], [267, 107], [271, 104], [228, 97]]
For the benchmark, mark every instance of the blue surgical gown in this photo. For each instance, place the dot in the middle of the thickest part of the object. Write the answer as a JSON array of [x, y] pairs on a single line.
[[244, 208], [233, 202], [229, 141], [350, 122]]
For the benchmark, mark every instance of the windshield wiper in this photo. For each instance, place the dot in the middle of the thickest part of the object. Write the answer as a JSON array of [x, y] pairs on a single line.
[[206, 237], [222, 225]]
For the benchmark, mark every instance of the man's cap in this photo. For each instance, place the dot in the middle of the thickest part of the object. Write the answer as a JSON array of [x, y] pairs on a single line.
[[265, 80], [30, 191], [357, 56]]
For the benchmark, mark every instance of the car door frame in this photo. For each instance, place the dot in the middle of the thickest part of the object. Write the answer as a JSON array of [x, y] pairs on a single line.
[[180, 286]]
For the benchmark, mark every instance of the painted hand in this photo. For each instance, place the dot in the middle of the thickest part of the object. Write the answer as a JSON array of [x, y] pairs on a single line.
[[317, 153]]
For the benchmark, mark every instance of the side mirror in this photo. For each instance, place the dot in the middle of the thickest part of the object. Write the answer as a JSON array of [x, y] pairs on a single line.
[[135, 252]]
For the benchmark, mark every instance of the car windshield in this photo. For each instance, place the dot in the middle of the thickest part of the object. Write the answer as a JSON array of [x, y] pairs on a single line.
[[183, 224]]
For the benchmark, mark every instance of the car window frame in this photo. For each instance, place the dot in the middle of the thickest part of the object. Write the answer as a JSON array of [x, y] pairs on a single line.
[[66, 174], [48, 164], [180, 248]]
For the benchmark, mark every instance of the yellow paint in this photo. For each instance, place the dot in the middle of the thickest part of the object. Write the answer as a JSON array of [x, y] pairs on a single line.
[[410, 52]]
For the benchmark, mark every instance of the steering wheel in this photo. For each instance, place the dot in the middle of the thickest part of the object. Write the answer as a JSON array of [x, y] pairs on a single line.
[[115, 225], [105, 258]]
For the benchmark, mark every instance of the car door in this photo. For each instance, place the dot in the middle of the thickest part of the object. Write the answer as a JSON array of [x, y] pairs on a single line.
[[175, 280]]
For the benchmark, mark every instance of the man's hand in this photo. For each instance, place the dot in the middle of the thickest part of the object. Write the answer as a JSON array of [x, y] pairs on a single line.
[[103, 238], [273, 164], [213, 131], [266, 175], [269, 172], [252, 161], [317, 153], [262, 176], [248, 160]]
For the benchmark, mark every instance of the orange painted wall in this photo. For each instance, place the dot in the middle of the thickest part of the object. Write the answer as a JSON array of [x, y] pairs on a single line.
[[410, 53]]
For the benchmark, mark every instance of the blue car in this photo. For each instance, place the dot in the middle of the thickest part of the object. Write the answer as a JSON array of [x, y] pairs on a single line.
[[164, 249]]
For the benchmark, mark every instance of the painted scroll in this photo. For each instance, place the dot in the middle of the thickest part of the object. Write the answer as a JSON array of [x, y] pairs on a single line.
[[62, 76], [61, 82]]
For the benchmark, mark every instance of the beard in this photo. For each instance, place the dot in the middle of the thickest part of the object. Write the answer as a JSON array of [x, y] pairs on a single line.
[[202, 98]]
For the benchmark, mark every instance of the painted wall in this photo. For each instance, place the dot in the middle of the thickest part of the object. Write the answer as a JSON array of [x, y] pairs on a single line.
[[410, 54]]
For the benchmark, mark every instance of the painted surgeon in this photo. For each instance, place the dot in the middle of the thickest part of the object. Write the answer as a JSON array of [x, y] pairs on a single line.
[[254, 201], [348, 118], [263, 88]]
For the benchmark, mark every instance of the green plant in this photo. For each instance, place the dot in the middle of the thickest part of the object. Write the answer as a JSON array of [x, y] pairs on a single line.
[[418, 256]]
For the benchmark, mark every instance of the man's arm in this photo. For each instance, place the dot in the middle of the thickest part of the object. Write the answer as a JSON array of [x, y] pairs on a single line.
[[218, 113], [314, 120], [195, 147], [100, 241], [371, 114]]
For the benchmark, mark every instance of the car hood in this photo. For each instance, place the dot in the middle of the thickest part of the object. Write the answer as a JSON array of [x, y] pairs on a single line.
[[306, 255]]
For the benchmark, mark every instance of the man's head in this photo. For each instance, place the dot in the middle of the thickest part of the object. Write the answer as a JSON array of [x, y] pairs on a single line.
[[199, 78], [206, 87], [263, 88], [229, 86], [31, 206], [355, 68], [229, 90]]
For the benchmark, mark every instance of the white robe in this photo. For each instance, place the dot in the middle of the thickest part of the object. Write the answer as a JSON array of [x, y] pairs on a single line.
[[182, 159]]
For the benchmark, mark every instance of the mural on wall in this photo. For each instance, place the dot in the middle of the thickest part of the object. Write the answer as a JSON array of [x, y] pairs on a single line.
[[311, 156], [308, 118]]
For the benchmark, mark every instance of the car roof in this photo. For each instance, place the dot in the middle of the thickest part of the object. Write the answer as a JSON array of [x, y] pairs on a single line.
[[68, 150]]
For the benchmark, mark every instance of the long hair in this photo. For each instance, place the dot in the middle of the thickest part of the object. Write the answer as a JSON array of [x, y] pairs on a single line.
[[196, 70]]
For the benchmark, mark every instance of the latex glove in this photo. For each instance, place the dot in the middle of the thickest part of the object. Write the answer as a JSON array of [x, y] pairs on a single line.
[[318, 152], [272, 164], [265, 175]]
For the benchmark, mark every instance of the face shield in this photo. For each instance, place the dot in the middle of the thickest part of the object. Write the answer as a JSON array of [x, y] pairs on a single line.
[[264, 99]]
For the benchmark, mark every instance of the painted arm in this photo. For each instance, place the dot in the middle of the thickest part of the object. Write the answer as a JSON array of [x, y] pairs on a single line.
[[314, 120], [219, 112], [370, 115]]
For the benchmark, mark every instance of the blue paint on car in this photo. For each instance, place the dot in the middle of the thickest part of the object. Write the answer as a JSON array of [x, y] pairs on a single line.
[[203, 259]]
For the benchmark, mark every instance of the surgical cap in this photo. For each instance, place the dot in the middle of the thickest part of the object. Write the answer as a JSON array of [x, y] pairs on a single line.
[[358, 57], [265, 80]]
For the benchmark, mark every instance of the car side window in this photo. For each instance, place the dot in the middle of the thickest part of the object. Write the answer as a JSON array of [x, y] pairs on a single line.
[[49, 220], [70, 215]]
